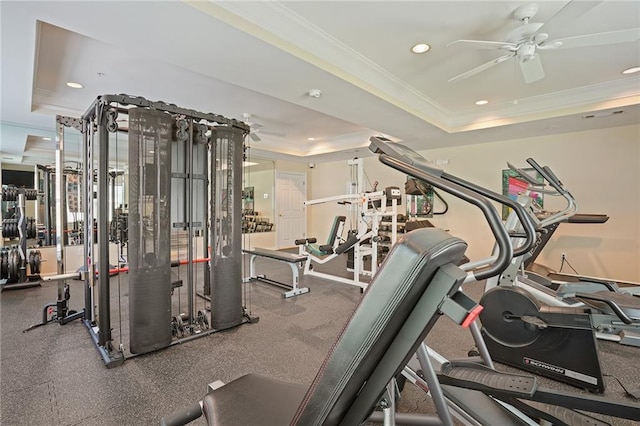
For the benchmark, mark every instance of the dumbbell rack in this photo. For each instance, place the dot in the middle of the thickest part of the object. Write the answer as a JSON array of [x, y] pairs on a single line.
[[14, 261]]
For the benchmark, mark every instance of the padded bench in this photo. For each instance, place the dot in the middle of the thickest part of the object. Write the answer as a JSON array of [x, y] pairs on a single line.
[[294, 260]]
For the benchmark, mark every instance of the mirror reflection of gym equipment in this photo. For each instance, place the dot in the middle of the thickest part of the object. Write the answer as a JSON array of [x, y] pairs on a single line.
[[19, 265], [157, 240]]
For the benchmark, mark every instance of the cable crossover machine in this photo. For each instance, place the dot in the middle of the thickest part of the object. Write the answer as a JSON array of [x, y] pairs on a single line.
[[184, 201]]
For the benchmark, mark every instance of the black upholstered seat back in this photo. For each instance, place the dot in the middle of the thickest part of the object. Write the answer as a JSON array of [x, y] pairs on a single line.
[[390, 298]]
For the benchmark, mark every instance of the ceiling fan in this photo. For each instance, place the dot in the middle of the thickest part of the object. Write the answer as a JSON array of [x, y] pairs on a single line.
[[523, 42], [254, 128]]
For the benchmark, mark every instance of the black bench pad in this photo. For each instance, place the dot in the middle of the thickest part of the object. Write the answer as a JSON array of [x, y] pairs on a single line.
[[253, 400]]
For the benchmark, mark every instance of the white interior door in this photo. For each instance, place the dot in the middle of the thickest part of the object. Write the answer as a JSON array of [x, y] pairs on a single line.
[[291, 217]]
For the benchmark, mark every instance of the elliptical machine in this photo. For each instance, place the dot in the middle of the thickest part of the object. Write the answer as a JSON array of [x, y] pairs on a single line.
[[529, 324]]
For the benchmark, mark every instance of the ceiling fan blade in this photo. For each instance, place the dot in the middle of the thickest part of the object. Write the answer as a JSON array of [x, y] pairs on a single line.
[[600, 39], [481, 68], [254, 137], [484, 44], [532, 69], [255, 126], [565, 16]]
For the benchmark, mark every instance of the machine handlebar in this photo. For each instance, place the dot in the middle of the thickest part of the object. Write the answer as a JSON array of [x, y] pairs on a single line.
[[407, 161], [404, 154], [548, 175]]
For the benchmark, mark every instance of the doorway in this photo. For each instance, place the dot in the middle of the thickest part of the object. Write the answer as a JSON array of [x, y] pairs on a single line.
[[291, 213]]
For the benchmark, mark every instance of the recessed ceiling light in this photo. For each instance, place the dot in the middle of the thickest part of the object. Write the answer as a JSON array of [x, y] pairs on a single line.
[[420, 48], [482, 102], [75, 85], [45, 138], [631, 70], [311, 139]]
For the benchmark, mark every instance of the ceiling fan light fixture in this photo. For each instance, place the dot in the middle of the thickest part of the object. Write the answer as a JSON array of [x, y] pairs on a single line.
[[74, 85], [420, 48], [311, 139], [482, 102], [631, 70]]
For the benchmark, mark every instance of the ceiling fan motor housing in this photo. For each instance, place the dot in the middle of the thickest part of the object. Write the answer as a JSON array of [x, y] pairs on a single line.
[[526, 52]]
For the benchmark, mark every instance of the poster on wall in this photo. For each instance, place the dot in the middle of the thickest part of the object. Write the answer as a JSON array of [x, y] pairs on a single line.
[[513, 185]]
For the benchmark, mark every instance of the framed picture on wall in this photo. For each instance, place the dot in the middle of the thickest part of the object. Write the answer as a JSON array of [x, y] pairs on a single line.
[[513, 185]]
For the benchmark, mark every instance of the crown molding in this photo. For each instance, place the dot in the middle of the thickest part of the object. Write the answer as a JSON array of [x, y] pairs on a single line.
[[278, 25], [596, 97]]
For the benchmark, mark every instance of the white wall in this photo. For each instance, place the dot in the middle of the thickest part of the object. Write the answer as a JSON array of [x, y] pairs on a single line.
[[599, 167]]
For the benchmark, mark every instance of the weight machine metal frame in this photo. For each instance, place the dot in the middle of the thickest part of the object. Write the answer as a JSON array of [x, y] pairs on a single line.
[[97, 124], [362, 205]]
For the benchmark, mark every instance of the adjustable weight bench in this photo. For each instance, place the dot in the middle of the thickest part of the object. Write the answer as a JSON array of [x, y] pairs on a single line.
[[397, 311], [293, 260]]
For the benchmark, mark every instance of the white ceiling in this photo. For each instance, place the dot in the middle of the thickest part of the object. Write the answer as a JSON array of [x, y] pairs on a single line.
[[262, 58]]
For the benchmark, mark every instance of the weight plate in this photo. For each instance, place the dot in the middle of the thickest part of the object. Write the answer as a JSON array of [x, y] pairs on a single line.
[[14, 265], [503, 306], [37, 262], [203, 320], [4, 260], [174, 327]]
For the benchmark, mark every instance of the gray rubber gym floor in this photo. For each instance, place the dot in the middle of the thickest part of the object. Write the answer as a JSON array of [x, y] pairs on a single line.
[[53, 375]]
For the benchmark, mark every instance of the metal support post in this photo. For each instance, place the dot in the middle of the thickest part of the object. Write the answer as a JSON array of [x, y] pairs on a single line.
[[189, 197], [104, 310], [87, 200], [60, 216], [432, 380]]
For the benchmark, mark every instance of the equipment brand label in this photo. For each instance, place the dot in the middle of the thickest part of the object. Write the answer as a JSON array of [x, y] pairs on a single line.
[[559, 370]]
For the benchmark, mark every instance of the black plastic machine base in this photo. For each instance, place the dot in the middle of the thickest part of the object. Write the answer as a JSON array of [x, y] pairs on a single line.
[[558, 343]]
